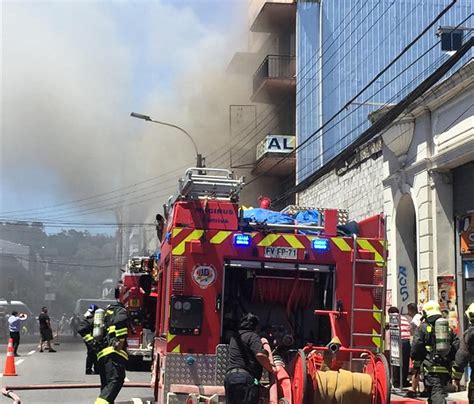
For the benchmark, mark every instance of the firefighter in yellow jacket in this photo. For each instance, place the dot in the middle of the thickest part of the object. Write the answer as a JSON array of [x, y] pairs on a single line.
[[433, 349], [111, 355]]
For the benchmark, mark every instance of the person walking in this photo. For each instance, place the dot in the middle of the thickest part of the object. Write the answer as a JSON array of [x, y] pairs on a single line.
[[14, 326], [74, 324], [46, 330], [465, 355], [433, 350], [112, 357], [247, 359], [85, 329], [415, 322]]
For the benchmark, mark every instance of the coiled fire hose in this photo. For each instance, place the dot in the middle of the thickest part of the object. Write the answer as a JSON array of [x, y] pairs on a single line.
[[343, 387]]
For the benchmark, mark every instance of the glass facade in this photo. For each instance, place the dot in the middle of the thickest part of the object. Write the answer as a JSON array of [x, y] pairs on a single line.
[[341, 45]]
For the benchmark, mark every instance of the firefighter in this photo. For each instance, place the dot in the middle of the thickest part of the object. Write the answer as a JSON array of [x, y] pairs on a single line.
[[247, 358], [85, 329], [110, 330], [433, 349], [465, 354]]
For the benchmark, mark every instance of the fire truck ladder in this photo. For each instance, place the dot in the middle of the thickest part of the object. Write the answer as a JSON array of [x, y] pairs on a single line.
[[376, 312], [215, 183]]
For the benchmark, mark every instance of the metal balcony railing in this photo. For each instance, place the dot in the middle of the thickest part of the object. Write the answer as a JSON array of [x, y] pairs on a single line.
[[274, 67]]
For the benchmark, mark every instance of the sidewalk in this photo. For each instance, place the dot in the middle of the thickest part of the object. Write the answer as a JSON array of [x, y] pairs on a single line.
[[453, 398]]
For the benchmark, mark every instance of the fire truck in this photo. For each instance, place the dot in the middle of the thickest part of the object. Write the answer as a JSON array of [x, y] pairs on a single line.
[[137, 292], [318, 288]]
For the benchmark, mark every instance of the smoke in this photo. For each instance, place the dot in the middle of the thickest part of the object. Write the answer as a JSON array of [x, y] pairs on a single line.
[[73, 72]]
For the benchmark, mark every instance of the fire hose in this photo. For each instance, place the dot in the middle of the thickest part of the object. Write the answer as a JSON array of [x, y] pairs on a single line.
[[342, 387], [7, 391]]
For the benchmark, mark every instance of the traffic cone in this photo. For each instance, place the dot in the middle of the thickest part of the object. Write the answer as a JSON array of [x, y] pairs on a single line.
[[10, 362]]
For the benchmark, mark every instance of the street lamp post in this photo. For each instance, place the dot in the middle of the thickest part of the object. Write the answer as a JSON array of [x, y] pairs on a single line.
[[199, 160]]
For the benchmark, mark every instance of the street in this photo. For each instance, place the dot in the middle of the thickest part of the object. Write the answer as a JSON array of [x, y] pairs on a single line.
[[64, 367]]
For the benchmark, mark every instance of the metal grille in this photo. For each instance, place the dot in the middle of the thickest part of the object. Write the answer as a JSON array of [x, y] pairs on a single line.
[[178, 267]]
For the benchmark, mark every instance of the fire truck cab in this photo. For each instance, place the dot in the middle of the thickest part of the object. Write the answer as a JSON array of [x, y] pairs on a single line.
[[137, 292], [316, 282]]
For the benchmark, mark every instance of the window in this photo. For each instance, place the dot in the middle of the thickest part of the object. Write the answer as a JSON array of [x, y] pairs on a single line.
[[451, 40]]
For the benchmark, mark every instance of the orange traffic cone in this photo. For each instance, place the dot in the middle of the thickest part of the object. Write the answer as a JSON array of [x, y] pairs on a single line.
[[10, 362]]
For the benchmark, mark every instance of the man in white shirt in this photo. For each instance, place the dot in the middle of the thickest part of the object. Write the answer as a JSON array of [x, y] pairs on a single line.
[[14, 326]]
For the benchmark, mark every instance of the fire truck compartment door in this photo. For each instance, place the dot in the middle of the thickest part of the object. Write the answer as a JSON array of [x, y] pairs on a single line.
[[186, 315], [279, 265]]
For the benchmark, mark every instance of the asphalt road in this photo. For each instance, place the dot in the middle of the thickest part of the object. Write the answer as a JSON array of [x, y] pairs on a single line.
[[66, 366]]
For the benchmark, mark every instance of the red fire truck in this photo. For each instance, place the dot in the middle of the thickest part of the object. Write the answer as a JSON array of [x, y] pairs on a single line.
[[137, 292], [318, 289]]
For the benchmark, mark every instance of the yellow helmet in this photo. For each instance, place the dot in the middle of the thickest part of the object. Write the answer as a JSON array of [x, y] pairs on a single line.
[[431, 308], [470, 313]]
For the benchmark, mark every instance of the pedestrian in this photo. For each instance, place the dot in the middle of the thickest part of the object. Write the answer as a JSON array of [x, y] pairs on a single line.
[[433, 350], [74, 323], [247, 358], [111, 357], [14, 326], [405, 336], [465, 355], [416, 319], [85, 329], [46, 330]]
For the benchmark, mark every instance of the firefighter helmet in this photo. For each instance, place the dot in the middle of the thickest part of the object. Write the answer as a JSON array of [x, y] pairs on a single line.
[[470, 313], [431, 308]]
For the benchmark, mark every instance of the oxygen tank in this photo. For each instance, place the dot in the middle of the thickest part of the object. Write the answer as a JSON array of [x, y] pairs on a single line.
[[98, 330], [442, 336]]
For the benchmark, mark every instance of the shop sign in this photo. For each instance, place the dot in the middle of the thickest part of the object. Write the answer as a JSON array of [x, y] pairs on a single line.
[[276, 144], [467, 235], [395, 340]]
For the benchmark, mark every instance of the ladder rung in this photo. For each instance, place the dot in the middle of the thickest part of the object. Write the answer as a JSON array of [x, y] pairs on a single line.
[[363, 334], [368, 310], [369, 348], [367, 285], [366, 261]]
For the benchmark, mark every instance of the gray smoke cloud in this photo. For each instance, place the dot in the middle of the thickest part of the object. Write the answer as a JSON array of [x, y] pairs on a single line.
[[71, 77]]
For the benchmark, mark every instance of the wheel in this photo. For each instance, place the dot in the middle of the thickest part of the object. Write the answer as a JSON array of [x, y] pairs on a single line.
[[382, 378], [300, 378]]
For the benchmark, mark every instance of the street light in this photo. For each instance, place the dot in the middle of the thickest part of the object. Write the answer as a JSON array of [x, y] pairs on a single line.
[[199, 162]]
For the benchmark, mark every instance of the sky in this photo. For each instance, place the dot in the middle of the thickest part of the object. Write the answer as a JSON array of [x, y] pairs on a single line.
[[72, 71]]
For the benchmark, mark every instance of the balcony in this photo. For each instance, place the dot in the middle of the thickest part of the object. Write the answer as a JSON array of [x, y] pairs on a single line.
[[272, 16], [275, 78], [270, 151]]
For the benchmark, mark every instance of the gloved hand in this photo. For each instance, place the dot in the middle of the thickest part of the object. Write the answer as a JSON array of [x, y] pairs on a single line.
[[88, 314]]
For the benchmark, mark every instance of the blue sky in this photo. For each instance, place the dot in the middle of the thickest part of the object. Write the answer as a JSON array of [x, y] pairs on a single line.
[[72, 73]]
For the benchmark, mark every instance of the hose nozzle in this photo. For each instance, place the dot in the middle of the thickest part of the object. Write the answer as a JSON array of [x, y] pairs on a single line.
[[334, 345]]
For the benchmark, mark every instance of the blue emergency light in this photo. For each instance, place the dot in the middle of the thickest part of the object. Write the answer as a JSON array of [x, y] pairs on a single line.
[[320, 244], [242, 239]]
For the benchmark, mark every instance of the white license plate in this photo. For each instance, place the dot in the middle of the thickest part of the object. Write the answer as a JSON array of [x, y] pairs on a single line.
[[281, 252]]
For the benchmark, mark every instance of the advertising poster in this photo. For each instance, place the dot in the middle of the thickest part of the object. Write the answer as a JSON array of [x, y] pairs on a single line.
[[447, 300], [423, 293], [395, 345]]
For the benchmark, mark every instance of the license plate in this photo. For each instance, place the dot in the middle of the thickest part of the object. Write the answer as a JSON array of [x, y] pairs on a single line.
[[281, 252]]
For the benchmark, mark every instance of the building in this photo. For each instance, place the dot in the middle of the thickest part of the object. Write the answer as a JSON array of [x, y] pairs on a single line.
[[266, 124], [428, 195]]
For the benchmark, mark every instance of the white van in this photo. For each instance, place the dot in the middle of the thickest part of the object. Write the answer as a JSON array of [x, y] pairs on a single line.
[[7, 306]]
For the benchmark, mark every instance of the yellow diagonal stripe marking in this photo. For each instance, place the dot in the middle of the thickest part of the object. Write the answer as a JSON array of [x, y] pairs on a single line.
[[384, 243], [377, 315], [293, 241], [366, 245], [177, 349], [176, 231], [341, 243], [220, 237], [269, 240], [376, 339], [180, 248], [170, 337]]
